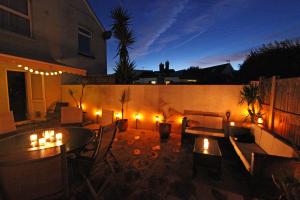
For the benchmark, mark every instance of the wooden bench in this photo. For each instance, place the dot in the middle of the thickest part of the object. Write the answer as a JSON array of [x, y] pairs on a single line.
[[199, 123]]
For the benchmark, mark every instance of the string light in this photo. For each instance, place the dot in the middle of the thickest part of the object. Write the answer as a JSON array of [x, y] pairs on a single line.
[[53, 73]]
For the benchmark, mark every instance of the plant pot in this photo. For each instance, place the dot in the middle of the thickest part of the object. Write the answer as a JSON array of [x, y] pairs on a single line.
[[122, 125], [164, 130]]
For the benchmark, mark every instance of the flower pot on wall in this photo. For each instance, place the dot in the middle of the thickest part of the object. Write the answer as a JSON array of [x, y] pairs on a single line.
[[164, 130], [123, 125]]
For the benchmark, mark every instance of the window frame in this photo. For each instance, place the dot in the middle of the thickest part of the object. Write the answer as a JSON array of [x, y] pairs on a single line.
[[22, 15], [90, 36]]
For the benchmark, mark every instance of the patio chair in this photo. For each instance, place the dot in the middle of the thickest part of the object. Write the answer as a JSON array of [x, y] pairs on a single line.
[[71, 116], [7, 124], [85, 164], [24, 176]]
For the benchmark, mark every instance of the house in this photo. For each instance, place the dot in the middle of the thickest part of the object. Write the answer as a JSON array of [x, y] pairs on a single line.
[[219, 74], [44, 43]]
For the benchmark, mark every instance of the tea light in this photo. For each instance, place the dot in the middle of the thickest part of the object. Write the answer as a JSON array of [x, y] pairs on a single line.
[[34, 143], [33, 137], [47, 135], [58, 136], [52, 133], [42, 141], [205, 144]]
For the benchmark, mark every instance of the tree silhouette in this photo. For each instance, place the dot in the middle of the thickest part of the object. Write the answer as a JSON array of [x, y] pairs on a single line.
[[277, 58], [121, 31]]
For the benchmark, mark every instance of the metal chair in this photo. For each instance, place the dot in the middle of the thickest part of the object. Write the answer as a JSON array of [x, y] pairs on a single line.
[[85, 165], [28, 176]]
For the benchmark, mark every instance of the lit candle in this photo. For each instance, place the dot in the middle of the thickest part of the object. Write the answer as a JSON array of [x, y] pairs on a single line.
[[42, 141], [58, 136], [232, 123], [52, 133], [33, 144], [47, 135], [260, 120], [205, 143], [33, 137]]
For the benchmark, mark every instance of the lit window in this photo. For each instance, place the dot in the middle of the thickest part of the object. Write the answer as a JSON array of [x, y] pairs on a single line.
[[84, 41], [14, 16]]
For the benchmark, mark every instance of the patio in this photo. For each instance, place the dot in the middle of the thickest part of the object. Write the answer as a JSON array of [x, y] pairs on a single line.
[[154, 169]]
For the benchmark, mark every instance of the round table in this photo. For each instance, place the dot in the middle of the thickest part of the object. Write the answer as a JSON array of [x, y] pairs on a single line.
[[19, 146]]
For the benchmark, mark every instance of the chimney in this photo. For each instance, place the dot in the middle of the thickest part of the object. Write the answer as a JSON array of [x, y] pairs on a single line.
[[161, 67]]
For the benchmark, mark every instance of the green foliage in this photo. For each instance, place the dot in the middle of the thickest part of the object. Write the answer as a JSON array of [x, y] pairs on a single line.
[[121, 31], [250, 95], [277, 58]]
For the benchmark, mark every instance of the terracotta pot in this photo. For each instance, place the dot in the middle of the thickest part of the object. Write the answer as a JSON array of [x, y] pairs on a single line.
[[164, 130], [122, 125]]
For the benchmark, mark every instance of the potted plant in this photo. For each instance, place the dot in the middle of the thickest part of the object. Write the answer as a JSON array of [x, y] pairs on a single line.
[[164, 126], [250, 94], [123, 123]]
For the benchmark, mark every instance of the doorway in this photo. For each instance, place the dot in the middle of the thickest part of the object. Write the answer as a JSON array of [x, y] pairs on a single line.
[[17, 94]]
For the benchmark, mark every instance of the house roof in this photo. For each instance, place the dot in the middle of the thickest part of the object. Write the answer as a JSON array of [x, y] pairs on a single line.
[[86, 2], [216, 68]]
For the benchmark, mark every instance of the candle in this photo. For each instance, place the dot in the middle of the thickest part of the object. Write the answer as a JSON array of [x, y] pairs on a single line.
[[52, 133], [33, 137], [58, 136], [42, 141], [47, 134], [33, 144], [206, 144], [232, 123]]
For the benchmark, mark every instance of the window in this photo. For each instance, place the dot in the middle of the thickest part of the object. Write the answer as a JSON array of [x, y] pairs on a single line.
[[14, 16], [84, 41]]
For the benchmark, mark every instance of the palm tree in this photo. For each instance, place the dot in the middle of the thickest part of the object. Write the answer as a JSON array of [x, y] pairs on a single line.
[[251, 95], [121, 31]]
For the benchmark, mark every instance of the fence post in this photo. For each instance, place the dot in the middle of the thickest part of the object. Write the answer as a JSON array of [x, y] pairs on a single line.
[[272, 101]]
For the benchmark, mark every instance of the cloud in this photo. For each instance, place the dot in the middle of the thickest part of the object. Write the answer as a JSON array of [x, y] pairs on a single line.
[[162, 18], [201, 24], [221, 58]]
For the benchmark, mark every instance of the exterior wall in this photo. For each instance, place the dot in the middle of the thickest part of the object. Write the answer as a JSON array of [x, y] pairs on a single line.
[[41, 91], [54, 35], [149, 100]]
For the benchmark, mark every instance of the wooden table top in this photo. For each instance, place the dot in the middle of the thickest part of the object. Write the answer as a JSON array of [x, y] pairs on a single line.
[[19, 146], [212, 148]]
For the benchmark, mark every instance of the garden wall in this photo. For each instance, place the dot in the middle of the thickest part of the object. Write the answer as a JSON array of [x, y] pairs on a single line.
[[150, 100]]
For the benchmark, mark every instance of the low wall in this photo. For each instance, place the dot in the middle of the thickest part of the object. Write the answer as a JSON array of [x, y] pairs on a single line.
[[150, 100]]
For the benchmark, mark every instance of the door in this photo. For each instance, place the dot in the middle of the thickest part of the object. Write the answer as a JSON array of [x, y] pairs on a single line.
[[17, 94]]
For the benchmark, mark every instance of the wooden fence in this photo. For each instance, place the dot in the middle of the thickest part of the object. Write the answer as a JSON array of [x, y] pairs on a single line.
[[281, 107]]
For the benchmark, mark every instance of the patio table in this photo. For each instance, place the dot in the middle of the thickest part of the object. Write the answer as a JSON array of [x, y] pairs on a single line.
[[18, 147]]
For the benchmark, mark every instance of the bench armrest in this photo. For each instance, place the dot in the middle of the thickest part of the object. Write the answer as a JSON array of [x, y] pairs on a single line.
[[264, 165]]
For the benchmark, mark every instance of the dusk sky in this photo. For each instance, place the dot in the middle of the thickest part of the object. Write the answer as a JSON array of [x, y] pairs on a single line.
[[200, 32]]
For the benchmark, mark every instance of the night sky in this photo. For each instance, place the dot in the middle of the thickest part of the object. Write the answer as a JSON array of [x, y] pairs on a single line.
[[200, 32]]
